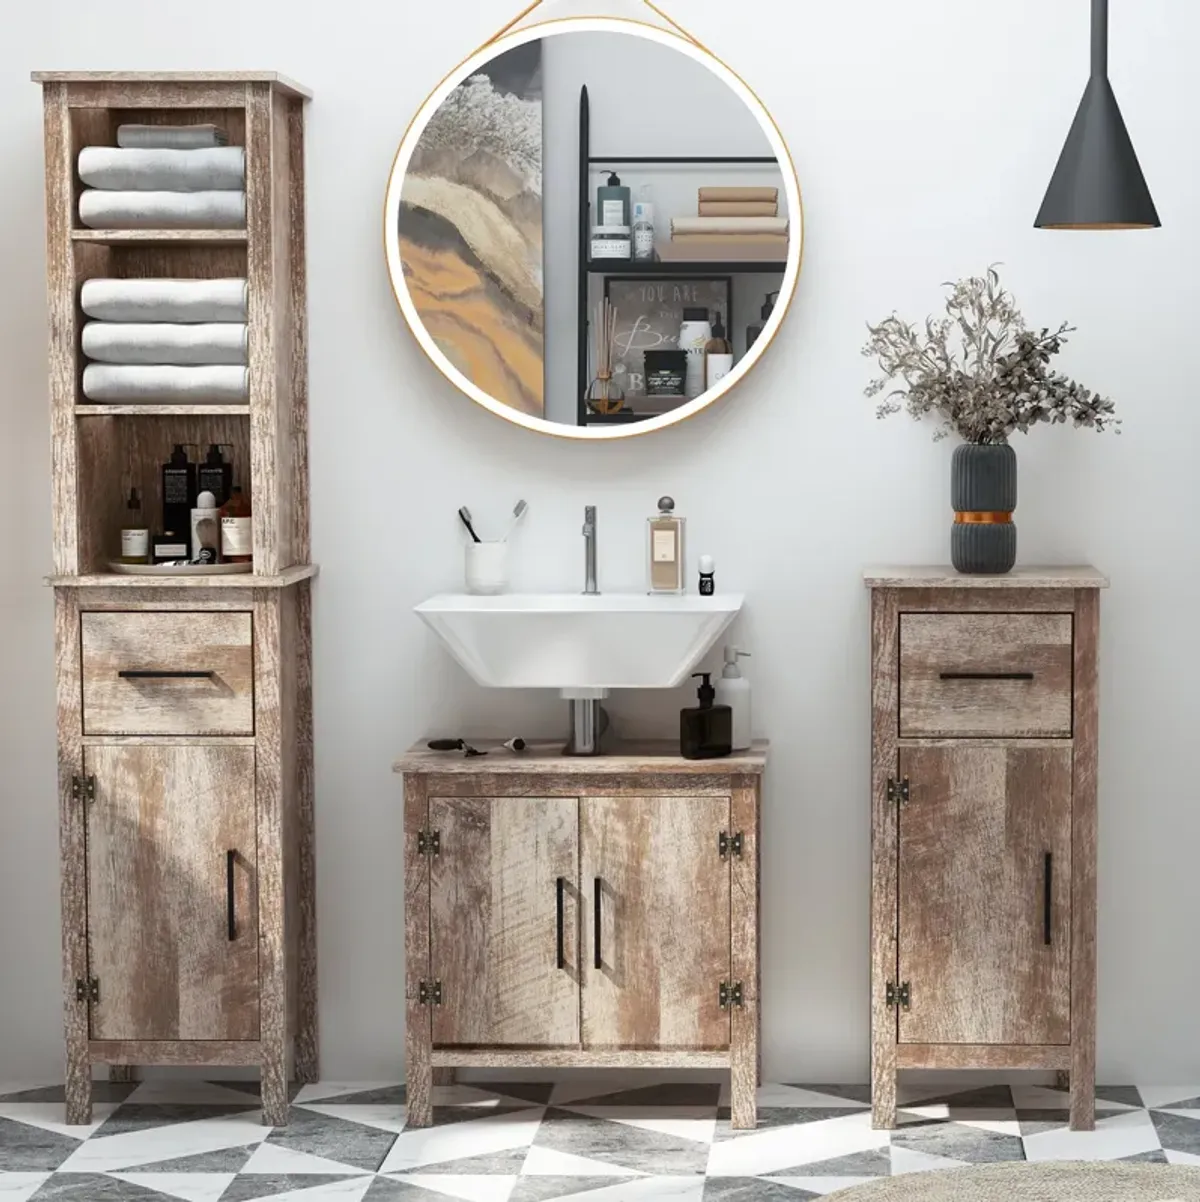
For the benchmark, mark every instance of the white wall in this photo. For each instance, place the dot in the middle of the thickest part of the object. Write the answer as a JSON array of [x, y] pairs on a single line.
[[924, 134]]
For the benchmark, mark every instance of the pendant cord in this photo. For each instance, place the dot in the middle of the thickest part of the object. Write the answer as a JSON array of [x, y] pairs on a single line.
[[1099, 39], [648, 3]]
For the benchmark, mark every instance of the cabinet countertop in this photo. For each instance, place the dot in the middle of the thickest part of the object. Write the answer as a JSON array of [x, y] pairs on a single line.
[[944, 576], [626, 759]]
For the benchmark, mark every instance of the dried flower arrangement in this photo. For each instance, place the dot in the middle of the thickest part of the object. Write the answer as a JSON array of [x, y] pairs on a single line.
[[980, 368]]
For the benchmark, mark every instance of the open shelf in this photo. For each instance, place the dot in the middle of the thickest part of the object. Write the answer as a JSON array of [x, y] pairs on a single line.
[[158, 237], [162, 410], [284, 579], [685, 267]]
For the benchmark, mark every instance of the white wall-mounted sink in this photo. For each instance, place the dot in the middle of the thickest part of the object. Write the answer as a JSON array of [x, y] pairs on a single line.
[[578, 644]]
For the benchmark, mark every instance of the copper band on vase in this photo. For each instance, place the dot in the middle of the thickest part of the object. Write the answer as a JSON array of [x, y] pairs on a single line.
[[982, 518]]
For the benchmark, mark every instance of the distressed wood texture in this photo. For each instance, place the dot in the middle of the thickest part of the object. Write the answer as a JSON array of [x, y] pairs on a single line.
[[122, 1074], [307, 1030], [745, 1020], [175, 1053], [158, 836], [218, 643], [663, 920], [981, 1056], [946, 578], [632, 760], [297, 276], [573, 1058], [493, 921], [157, 591], [938, 650], [418, 1028], [72, 836], [163, 238], [885, 663], [1083, 878], [139, 89], [973, 839]]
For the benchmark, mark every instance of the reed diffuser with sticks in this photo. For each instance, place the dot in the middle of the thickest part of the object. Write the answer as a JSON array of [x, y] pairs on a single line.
[[604, 394]]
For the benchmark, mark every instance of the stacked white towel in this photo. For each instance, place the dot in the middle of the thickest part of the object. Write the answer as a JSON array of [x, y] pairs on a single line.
[[174, 179], [165, 341]]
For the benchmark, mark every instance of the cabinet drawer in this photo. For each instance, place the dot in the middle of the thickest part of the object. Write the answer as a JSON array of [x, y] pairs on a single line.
[[1006, 675], [167, 673]]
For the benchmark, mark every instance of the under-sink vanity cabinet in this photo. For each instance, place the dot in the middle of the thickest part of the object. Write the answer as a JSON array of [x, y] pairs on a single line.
[[984, 727], [566, 912]]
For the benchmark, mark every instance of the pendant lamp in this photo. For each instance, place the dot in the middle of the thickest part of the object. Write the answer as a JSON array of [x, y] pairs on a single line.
[[1098, 184]]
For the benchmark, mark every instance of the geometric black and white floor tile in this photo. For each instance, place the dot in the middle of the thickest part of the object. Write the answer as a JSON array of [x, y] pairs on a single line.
[[617, 1140]]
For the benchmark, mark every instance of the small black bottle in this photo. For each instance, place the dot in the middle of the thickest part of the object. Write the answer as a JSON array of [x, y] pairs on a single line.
[[705, 732], [215, 475], [178, 493]]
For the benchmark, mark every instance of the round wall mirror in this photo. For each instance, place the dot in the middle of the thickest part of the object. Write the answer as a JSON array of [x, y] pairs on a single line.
[[593, 228]]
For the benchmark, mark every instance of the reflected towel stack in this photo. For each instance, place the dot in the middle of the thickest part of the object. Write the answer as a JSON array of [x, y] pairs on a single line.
[[166, 341], [731, 224], [164, 177]]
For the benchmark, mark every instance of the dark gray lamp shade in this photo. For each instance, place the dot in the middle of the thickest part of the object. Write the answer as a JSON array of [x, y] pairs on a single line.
[[1098, 183]]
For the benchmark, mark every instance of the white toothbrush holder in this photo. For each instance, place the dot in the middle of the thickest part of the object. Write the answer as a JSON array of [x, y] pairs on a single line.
[[486, 568]]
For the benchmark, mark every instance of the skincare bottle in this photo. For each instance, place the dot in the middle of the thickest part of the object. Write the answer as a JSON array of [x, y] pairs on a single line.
[[718, 355], [694, 334], [206, 530], [753, 331], [612, 202], [178, 493], [708, 585], [170, 547], [666, 549], [733, 690], [706, 731], [215, 475], [135, 537], [236, 535], [643, 224]]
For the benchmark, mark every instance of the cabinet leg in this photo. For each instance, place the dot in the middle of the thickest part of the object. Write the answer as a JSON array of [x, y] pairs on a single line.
[[122, 1074], [443, 1076], [743, 1066], [274, 1092], [883, 1091], [79, 1090], [1083, 1088]]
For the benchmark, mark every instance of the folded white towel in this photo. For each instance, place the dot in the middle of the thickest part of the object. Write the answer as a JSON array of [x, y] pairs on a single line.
[[219, 169], [164, 300], [170, 137], [164, 342], [147, 385], [162, 210]]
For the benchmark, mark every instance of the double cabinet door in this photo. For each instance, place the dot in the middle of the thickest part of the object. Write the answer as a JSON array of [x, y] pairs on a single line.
[[172, 914], [593, 922]]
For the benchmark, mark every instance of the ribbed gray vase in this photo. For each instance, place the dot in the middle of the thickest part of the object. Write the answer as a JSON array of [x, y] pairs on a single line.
[[983, 480]]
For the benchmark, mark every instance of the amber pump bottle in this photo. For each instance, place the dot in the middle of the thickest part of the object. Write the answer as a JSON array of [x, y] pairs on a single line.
[[236, 528]]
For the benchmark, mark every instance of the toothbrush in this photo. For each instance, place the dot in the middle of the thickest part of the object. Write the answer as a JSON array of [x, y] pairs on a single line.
[[464, 516], [518, 513]]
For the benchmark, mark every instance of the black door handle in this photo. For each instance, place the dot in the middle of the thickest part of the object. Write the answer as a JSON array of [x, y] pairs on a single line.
[[560, 955], [230, 899], [986, 675], [154, 674], [597, 958], [1048, 885]]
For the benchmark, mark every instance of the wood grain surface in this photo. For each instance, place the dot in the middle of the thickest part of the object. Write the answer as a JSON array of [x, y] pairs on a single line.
[[418, 1021], [186, 586], [158, 834], [973, 837], [934, 645], [207, 642], [307, 1019], [982, 1056], [175, 1052], [745, 1020], [135, 88], [536, 1058], [945, 577], [493, 921], [664, 921], [656, 757]]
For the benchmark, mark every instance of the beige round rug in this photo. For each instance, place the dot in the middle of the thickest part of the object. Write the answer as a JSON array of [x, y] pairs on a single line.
[[1097, 1181]]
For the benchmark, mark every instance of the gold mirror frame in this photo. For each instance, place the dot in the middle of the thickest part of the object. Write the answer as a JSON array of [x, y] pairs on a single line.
[[507, 41]]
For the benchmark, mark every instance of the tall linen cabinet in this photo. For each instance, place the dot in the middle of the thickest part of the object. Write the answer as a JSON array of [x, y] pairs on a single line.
[[185, 776]]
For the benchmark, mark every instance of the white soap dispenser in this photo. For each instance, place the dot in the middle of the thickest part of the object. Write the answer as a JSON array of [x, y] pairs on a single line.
[[733, 690]]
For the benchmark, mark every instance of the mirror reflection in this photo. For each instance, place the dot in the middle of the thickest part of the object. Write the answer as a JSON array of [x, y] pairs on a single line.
[[592, 228]]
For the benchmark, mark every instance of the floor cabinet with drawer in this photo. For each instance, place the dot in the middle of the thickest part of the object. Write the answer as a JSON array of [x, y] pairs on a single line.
[[983, 904], [184, 701]]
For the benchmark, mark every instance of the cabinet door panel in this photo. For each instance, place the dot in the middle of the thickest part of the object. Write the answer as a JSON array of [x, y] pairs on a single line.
[[974, 838], [664, 921], [494, 921], [158, 836]]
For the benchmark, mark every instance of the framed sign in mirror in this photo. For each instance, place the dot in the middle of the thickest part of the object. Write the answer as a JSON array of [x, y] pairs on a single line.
[[593, 227]]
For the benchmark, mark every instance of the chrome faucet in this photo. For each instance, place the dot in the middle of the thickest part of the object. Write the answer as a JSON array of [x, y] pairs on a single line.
[[589, 552]]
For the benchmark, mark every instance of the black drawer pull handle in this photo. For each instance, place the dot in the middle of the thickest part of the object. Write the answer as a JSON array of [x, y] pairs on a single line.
[[597, 958], [154, 674], [1046, 898], [230, 899], [986, 675], [560, 955]]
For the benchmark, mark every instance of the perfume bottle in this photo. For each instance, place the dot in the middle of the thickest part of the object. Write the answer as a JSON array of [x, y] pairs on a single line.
[[666, 549]]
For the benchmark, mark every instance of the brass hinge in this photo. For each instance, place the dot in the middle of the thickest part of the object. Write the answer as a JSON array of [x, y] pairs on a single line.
[[897, 790], [429, 843], [727, 843], [83, 788], [901, 996], [87, 991], [429, 993], [730, 995]]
